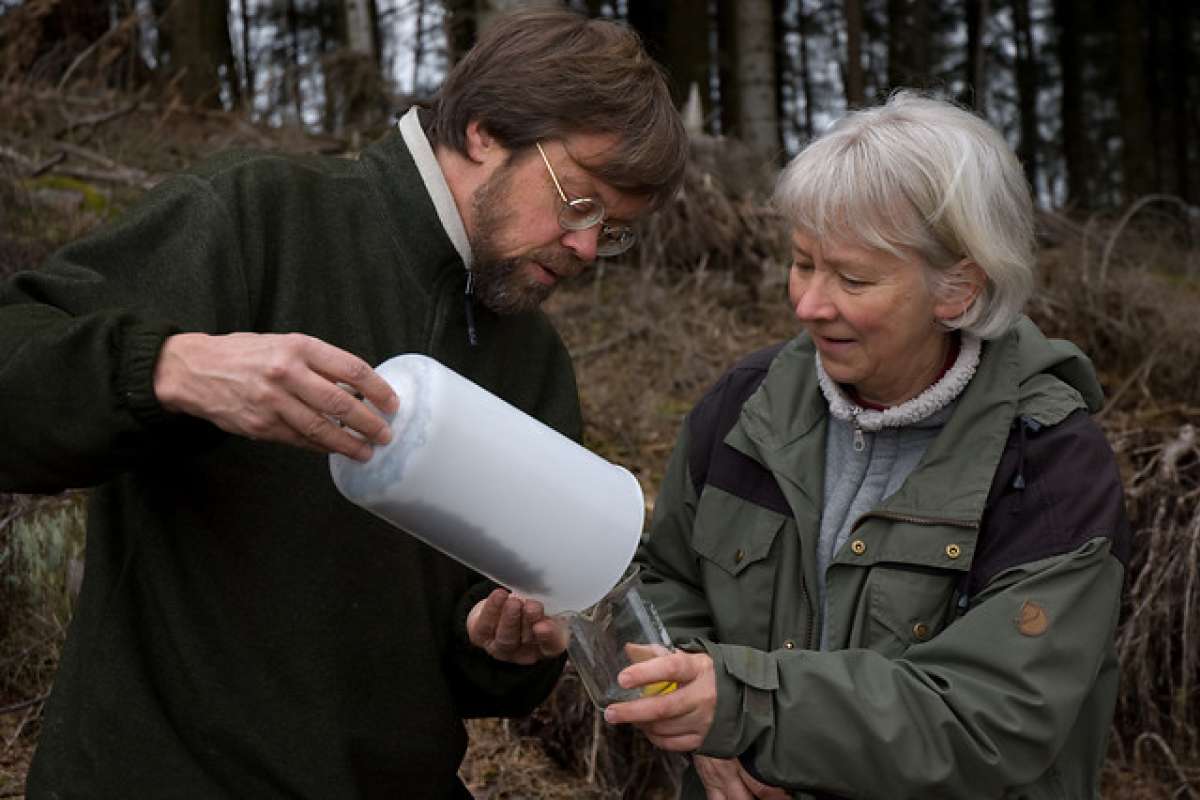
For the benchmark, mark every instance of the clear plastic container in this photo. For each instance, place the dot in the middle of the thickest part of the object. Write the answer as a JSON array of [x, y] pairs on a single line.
[[620, 630], [496, 489]]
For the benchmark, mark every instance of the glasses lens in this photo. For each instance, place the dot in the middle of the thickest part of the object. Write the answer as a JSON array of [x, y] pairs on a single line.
[[614, 240], [580, 214]]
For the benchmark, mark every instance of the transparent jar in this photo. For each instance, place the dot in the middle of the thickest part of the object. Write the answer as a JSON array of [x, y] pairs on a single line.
[[620, 630]]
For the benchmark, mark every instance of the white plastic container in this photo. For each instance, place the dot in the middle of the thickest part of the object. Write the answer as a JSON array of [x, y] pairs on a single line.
[[496, 489]]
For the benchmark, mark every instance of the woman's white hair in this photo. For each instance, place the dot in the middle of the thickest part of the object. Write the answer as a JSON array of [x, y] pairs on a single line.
[[919, 175]]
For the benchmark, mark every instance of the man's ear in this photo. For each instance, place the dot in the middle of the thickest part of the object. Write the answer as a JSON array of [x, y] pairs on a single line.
[[961, 287], [481, 145]]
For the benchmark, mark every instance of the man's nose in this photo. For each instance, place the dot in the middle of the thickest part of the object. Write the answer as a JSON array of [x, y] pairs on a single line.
[[583, 243]]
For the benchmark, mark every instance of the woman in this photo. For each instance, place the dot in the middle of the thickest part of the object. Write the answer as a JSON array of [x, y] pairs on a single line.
[[891, 550]]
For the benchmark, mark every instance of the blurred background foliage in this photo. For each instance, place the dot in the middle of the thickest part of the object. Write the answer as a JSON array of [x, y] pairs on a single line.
[[100, 98]]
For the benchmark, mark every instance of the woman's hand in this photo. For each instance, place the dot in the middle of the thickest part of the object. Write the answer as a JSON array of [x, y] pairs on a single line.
[[727, 779], [515, 630], [680, 719]]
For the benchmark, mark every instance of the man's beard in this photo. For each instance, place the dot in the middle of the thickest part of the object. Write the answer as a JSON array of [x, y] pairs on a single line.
[[499, 282]]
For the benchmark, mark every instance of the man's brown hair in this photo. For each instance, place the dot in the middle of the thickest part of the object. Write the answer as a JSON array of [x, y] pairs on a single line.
[[536, 75]]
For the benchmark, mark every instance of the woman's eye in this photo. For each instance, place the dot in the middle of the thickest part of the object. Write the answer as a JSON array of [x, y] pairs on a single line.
[[802, 266], [854, 283]]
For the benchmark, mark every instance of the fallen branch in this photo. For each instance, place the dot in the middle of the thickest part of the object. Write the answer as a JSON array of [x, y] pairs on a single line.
[[33, 701]]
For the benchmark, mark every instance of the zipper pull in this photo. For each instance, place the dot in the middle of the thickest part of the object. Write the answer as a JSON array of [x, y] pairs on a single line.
[[860, 441], [469, 301]]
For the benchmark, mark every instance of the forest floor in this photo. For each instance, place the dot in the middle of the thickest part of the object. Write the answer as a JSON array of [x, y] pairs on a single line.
[[647, 341]]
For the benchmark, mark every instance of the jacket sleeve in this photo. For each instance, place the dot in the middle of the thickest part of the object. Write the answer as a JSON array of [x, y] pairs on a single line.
[[80, 337], [985, 705], [670, 571]]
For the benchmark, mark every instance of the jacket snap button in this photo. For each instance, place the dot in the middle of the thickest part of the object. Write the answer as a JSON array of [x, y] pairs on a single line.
[[739, 555], [921, 631], [789, 645], [953, 551], [858, 546]]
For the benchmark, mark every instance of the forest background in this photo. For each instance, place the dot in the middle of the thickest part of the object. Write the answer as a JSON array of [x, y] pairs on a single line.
[[1101, 100]]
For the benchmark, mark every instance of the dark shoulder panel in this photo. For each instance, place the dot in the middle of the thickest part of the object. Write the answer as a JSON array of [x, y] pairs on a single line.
[[713, 462], [1055, 489]]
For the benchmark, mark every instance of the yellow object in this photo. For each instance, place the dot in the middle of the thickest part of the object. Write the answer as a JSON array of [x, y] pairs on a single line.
[[659, 687]]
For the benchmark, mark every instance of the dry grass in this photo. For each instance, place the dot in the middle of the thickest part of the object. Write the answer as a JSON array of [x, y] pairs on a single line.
[[648, 339]]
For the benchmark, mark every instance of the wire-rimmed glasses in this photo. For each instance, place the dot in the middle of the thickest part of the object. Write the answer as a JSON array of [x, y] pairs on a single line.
[[582, 213]]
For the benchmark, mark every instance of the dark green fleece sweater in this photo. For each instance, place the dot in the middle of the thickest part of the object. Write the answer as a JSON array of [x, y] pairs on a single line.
[[243, 630]]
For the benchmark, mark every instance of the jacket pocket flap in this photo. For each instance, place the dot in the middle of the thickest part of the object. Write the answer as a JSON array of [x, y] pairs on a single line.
[[733, 533], [752, 667]]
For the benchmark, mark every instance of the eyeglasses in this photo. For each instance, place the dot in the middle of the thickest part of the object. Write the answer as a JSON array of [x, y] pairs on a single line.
[[587, 212]]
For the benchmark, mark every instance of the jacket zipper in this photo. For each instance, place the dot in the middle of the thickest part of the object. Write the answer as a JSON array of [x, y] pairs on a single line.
[[957, 523]]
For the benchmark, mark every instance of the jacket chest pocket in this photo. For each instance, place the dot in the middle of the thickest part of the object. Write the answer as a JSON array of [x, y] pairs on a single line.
[[906, 605], [905, 578], [736, 545]]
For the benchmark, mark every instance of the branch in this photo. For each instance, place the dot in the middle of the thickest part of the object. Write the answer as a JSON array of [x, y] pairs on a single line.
[[33, 701]]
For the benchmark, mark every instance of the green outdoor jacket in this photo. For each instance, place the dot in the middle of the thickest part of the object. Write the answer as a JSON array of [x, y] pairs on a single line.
[[243, 630], [971, 615]]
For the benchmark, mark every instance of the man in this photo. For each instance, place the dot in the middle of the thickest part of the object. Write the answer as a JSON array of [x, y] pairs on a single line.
[[242, 630]]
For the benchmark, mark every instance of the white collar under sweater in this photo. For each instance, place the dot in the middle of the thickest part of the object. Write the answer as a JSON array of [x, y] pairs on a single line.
[[928, 402]]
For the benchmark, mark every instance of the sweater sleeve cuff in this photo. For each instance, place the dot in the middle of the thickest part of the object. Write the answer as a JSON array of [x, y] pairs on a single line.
[[139, 346]]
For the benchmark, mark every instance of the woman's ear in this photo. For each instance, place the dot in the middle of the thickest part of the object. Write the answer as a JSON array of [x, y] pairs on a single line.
[[961, 286]]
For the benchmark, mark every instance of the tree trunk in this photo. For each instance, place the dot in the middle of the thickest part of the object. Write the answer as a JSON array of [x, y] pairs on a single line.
[[802, 26], [974, 94], [727, 58], [198, 37], [487, 10], [461, 26], [1027, 91], [1137, 163], [1180, 65], [855, 97], [247, 58], [758, 123], [675, 33], [1075, 146]]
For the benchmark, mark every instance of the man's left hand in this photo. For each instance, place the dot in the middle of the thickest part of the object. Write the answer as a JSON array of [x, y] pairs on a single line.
[[515, 630]]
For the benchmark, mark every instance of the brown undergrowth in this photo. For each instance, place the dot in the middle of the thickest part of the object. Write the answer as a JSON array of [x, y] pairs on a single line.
[[648, 337]]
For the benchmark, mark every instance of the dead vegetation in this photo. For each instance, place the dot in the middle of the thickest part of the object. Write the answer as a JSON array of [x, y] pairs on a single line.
[[648, 337]]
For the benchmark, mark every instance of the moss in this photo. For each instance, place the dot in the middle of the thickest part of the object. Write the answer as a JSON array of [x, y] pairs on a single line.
[[94, 200]]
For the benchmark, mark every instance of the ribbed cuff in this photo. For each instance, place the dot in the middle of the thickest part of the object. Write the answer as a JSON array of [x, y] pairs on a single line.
[[138, 347]]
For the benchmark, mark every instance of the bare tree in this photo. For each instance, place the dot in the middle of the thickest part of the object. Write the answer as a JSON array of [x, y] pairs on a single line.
[[854, 79], [200, 52], [1137, 161], [974, 94], [758, 123], [1027, 89]]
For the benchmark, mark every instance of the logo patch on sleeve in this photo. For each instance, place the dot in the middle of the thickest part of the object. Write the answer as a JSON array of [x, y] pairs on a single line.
[[1032, 619]]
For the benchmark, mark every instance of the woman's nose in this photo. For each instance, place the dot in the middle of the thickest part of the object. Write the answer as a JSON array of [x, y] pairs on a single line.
[[811, 300]]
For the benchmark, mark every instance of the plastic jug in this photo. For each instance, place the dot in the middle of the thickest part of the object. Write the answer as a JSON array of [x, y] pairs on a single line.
[[496, 489]]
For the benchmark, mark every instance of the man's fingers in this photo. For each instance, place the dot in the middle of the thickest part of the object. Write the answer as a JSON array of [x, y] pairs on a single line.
[[321, 432], [341, 409], [482, 630], [509, 626], [339, 366]]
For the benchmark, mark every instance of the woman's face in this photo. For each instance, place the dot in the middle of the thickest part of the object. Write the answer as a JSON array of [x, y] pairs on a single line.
[[872, 317]]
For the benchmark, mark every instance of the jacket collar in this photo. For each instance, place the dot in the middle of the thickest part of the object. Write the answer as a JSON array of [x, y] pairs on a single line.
[[407, 207], [783, 424]]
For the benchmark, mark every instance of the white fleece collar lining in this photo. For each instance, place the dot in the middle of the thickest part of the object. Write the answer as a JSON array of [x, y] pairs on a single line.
[[435, 183], [928, 402]]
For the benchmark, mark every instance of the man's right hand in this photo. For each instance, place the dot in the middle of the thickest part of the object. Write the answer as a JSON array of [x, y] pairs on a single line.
[[287, 388], [727, 779]]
